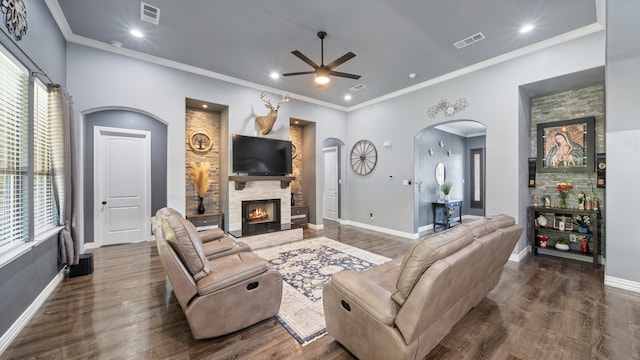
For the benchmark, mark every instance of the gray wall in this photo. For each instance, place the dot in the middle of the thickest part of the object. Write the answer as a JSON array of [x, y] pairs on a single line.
[[623, 148], [492, 94], [126, 120], [100, 79], [425, 169], [25, 277]]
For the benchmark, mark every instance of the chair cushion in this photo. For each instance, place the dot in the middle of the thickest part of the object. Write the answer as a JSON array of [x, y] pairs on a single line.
[[211, 234], [183, 238], [502, 220], [480, 227], [426, 252]]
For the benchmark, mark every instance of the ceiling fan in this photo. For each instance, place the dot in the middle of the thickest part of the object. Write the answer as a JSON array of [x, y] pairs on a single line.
[[323, 71]]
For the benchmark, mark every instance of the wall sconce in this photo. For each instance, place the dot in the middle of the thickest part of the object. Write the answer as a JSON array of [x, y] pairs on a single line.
[[430, 152], [448, 152]]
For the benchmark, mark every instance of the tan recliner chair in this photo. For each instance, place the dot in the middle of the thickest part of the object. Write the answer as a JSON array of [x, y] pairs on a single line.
[[217, 296], [214, 242]]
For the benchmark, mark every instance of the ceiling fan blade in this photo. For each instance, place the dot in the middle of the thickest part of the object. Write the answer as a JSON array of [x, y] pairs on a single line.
[[341, 74], [304, 58], [342, 59], [299, 73]]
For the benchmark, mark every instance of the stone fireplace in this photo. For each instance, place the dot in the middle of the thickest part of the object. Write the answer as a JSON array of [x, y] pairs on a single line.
[[258, 216], [257, 191]]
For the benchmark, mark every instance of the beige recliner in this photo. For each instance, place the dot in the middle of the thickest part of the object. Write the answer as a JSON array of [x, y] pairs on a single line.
[[221, 295]]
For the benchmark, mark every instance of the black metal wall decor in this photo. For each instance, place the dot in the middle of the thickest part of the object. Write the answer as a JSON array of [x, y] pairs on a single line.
[[14, 15]]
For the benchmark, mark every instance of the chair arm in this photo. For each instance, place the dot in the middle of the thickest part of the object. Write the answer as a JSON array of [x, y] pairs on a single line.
[[367, 295], [210, 235], [225, 276]]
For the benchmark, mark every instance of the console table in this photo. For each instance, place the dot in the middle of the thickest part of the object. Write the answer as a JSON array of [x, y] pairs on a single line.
[[446, 213]]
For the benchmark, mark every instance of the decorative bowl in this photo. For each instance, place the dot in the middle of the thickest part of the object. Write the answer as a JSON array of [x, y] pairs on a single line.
[[562, 247]]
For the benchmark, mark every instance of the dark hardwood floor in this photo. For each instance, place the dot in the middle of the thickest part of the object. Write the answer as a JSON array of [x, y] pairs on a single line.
[[543, 308]]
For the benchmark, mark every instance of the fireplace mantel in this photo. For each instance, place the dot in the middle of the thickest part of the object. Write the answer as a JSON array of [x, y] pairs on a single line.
[[241, 181]]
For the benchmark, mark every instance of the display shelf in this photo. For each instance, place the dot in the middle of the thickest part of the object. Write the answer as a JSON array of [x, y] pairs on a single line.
[[554, 234]]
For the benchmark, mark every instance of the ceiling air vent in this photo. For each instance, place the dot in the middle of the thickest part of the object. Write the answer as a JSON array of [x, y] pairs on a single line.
[[149, 13], [468, 41], [358, 87]]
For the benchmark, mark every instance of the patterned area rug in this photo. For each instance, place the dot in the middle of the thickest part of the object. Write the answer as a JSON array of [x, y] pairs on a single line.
[[306, 266]]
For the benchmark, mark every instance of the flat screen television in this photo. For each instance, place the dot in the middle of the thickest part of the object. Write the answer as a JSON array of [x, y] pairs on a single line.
[[261, 156]]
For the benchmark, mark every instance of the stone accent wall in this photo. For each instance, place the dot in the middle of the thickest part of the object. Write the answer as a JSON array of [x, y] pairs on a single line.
[[296, 139], [209, 122]]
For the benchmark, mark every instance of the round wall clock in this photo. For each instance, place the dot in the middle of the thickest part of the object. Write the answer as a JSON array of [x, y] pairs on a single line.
[[15, 17], [200, 141], [364, 157]]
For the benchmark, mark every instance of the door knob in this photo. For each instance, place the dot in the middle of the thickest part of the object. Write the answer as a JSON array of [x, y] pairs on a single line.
[[104, 203]]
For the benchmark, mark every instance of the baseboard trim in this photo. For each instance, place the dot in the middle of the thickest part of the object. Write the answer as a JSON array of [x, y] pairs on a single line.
[[517, 257], [380, 229], [315, 226], [10, 335], [622, 283]]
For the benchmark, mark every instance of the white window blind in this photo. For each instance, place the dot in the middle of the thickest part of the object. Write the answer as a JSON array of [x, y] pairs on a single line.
[[44, 210], [14, 118]]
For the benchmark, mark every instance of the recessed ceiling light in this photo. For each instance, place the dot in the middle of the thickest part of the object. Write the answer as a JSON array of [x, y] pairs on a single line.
[[205, 106], [412, 75], [274, 75], [137, 33], [347, 97], [526, 28]]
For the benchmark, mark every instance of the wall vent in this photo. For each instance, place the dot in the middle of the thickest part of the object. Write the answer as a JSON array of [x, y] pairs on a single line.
[[468, 41], [149, 13], [358, 87]]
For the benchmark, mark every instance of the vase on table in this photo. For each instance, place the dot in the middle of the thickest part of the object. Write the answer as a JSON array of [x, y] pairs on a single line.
[[563, 201], [200, 205], [446, 197]]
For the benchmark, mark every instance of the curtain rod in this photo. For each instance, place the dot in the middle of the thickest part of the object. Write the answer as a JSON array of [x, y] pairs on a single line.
[[39, 71]]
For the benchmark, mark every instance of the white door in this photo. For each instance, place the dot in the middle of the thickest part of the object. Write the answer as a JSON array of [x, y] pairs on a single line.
[[330, 194], [122, 181]]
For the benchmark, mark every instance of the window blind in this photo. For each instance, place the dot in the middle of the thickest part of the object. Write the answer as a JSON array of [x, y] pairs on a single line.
[[14, 118], [44, 210]]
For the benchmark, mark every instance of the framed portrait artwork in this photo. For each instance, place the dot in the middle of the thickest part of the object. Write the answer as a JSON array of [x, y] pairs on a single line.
[[567, 145]]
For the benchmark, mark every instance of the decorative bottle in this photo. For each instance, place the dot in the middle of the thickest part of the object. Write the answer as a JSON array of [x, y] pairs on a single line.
[[587, 203]]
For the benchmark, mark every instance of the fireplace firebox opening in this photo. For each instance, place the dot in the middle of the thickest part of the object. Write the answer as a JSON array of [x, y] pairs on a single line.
[[259, 215]]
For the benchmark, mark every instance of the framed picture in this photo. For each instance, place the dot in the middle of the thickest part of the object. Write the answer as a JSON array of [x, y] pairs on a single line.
[[567, 145], [563, 223]]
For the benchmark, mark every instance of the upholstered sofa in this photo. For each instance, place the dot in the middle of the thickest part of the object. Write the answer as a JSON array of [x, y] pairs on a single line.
[[403, 308], [222, 291]]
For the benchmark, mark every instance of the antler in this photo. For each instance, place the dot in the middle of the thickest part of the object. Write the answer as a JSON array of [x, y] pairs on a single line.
[[266, 101], [285, 98]]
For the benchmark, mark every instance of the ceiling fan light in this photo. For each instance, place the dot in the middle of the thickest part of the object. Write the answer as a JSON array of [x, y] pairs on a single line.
[[322, 79]]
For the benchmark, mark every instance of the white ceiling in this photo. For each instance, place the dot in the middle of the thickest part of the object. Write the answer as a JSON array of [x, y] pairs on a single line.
[[245, 40]]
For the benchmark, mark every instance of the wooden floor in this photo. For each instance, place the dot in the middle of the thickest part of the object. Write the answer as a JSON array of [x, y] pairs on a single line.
[[543, 308]]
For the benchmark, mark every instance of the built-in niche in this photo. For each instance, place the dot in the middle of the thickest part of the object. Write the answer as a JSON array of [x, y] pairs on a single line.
[[296, 130], [202, 144]]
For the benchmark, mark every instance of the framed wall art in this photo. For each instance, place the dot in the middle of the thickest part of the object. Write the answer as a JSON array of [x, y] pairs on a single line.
[[566, 146]]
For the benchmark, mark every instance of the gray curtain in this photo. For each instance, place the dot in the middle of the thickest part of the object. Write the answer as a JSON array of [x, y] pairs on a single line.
[[64, 172]]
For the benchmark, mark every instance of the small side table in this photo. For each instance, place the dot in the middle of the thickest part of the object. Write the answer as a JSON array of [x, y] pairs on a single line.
[[208, 220], [450, 213]]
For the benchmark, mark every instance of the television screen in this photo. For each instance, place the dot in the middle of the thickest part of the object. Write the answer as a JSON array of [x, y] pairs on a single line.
[[261, 156]]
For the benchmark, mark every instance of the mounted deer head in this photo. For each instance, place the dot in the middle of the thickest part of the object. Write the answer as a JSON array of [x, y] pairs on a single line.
[[265, 123]]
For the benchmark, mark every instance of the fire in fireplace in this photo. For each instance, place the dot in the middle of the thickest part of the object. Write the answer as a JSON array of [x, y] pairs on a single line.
[[259, 214]]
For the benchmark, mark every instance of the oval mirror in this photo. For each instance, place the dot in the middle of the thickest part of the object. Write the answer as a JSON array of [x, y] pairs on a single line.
[[440, 173]]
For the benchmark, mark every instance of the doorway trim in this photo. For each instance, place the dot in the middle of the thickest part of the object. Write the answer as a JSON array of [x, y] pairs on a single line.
[[335, 169]]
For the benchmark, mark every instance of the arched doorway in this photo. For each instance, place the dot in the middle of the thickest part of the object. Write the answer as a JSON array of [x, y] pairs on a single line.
[[131, 120], [459, 147]]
